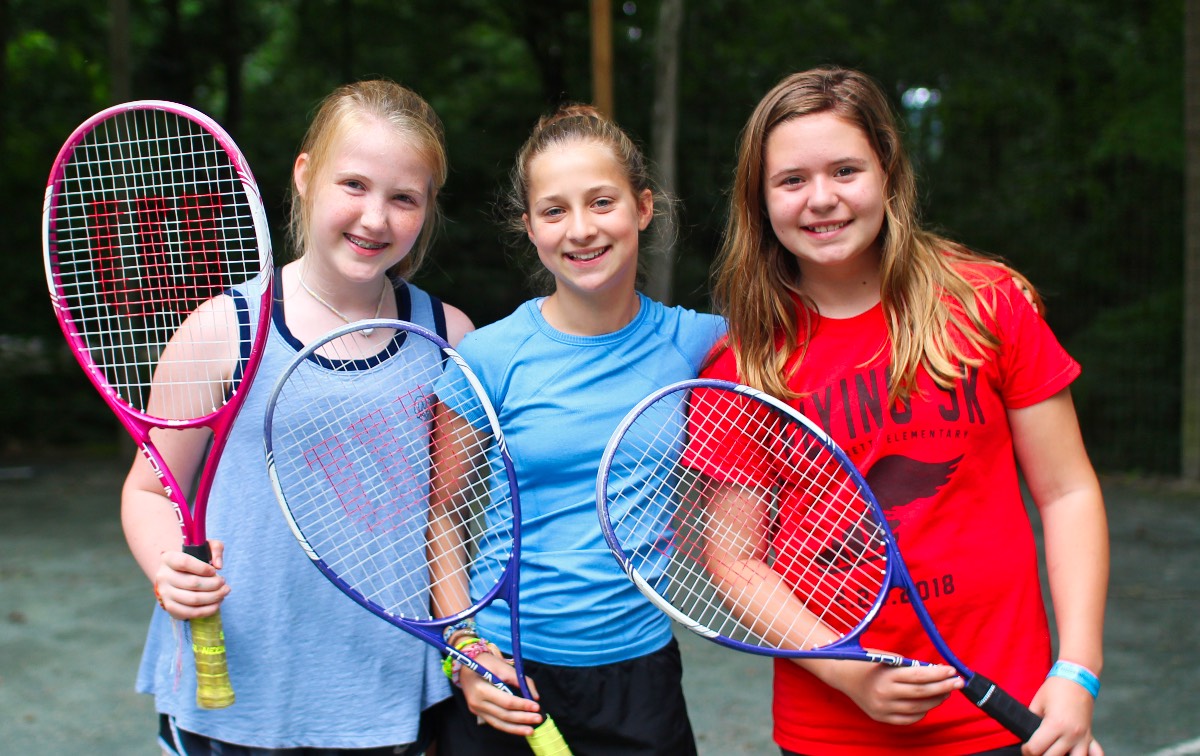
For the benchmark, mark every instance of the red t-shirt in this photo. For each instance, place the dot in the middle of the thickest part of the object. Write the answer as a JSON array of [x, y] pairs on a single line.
[[943, 468]]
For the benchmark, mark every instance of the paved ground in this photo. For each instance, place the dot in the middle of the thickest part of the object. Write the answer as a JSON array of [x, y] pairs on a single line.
[[73, 609]]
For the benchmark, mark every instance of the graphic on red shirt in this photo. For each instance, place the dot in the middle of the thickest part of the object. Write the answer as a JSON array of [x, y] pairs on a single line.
[[901, 483], [942, 466]]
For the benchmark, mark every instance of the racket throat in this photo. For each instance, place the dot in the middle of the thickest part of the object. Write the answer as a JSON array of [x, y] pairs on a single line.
[[201, 551]]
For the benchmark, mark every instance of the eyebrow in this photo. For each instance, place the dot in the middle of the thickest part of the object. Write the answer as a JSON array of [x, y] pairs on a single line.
[[591, 191], [853, 161]]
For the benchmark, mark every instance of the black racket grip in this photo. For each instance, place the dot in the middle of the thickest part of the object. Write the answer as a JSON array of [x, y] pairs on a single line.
[[1000, 706], [201, 551]]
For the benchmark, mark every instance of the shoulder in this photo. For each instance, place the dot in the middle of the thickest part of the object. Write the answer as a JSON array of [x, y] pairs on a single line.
[[996, 287], [458, 325], [500, 337], [682, 320]]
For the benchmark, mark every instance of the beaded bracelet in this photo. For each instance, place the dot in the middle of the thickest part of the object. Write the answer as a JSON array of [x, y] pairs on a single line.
[[468, 625], [1076, 673], [471, 647]]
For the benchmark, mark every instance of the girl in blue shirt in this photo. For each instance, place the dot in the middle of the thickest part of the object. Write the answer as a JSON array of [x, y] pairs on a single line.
[[561, 371]]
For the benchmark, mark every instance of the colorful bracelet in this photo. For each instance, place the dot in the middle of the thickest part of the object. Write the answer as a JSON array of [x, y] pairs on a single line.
[[1076, 673], [158, 597], [472, 648], [468, 624]]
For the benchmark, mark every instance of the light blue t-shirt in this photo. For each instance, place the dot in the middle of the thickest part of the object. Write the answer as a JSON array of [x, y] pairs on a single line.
[[558, 398], [309, 666]]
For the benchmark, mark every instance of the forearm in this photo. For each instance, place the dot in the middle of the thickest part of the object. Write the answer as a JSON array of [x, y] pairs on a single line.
[[1077, 564], [150, 523]]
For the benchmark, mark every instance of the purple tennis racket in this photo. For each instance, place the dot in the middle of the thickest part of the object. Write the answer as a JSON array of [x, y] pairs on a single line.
[[157, 253], [744, 522], [388, 461]]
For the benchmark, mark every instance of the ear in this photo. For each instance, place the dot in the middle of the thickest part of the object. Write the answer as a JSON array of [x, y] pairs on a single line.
[[645, 207], [528, 228], [300, 173]]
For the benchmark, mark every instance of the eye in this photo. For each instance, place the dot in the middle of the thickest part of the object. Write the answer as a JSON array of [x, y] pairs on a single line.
[[845, 171], [553, 212], [407, 199], [604, 203], [354, 184]]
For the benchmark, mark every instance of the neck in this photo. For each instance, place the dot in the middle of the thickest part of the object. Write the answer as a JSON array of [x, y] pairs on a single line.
[[348, 300], [842, 293], [590, 316]]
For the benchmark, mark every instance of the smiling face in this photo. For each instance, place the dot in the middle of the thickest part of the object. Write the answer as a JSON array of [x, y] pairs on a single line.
[[584, 219], [368, 202], [824, 189]]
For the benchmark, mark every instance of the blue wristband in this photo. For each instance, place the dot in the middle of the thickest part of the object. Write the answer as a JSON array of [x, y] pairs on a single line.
[[1077, 674]]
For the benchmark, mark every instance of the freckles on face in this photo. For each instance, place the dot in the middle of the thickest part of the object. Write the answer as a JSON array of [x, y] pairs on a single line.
[[370, 199]]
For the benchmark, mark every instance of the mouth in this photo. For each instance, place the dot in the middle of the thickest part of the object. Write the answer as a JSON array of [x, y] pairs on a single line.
[[827, 228], [586, 256], [364, 244]]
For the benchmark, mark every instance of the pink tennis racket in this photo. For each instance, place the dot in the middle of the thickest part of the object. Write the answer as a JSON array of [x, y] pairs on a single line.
[[158, 261]]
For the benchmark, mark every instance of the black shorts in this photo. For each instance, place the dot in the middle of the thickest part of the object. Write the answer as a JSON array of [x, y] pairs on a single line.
[[634, 707]]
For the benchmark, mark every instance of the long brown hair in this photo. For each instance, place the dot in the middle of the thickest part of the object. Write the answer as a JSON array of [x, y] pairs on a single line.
[[411, 117], [926, 294]]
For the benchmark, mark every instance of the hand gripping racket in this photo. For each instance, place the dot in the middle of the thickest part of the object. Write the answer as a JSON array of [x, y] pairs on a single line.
[[156, 246], [396, 482], [745, 523]]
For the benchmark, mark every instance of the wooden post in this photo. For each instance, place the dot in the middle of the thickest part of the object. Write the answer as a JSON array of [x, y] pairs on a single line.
[[602, 77]]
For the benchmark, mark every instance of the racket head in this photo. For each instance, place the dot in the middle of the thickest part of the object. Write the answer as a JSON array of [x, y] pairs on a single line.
[[693, 476], [355, 439], [151, 218]]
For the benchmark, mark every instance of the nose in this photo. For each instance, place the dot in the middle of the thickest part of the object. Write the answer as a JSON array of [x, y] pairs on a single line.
[[373, 214], [580, 228], [822, 194]]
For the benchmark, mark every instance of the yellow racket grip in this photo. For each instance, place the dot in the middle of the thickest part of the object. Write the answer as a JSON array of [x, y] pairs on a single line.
[[546, 740], [213, 690]]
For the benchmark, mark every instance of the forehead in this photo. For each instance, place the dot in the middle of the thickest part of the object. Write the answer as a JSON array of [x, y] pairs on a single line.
[[816, 138], [576, 161]]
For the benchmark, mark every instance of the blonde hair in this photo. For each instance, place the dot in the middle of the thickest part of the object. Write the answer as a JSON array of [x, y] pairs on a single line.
[[575, 123], [926, 294], [410, 116]]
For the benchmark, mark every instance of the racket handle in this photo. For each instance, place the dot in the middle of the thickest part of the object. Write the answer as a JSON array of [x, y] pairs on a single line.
[[1002, 707], [213, 690], [546, 740]]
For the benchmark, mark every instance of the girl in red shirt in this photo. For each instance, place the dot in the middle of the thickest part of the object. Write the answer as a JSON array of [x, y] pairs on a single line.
[[836, 298]]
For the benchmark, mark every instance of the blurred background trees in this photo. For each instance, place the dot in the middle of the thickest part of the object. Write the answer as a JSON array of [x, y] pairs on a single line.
[[1046, 131]]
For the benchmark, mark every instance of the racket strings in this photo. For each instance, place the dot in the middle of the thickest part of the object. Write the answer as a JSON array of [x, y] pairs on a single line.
[[151, 221], [730, 510], [353, 457]]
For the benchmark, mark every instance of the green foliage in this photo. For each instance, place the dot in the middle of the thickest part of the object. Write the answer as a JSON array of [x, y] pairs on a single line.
[[1058, 139], [1127, 397]]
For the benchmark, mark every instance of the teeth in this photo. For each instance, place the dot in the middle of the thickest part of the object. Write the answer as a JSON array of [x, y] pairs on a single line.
[[365, 244], [586, 257], [827, 229]]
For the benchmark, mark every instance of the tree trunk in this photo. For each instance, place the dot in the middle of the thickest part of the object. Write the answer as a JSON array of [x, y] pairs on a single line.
[[120, 76], [1190, 440], [665, 131], [602, 62]]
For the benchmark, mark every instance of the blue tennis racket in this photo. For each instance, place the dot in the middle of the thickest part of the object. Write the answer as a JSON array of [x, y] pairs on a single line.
[[397, 484], [691, 492]]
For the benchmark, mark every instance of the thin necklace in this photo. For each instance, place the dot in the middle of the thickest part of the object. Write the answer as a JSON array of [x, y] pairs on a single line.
[[364, 332]]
